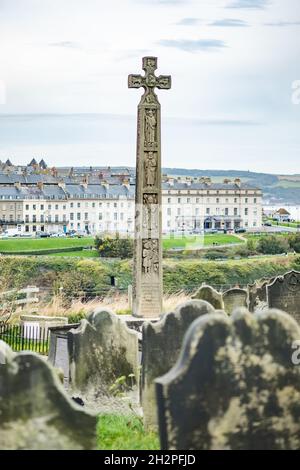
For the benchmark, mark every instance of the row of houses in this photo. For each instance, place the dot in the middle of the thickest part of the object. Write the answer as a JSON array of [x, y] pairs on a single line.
[[49, 204]]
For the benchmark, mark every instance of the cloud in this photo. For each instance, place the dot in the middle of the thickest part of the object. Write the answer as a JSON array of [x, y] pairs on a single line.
[[193, 45], [282, 24], [65, 44], [250, 4], [229, 22], [189, 22]]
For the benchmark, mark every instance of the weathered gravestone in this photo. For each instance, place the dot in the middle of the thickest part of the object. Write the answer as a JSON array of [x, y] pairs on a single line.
[[35, 413], [258, 295], [234, 385], [59, 350], [234, 298], [284, 294], [211, 296], [161, 345], [102, 350]]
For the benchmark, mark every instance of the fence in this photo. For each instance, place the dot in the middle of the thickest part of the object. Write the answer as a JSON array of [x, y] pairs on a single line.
[[26, 337]]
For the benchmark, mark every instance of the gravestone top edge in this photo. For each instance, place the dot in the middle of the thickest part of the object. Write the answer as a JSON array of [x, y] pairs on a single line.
[[281, 278], [198, 327], [177, 313]]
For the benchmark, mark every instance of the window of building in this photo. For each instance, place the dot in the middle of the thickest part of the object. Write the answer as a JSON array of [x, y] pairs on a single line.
[[56, 218], [78, 216], [179, 200], [71, 215], [226, 211], [169, 200], [27, 207], [207, 211], [246, 211], [235, 211], [56, 207], [78, 204], [34, 207], [86, 216], [42, 207], [34, 218], [169, 212]]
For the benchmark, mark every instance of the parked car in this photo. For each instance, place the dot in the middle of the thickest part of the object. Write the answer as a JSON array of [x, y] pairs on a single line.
[[42, 235], [267, 224], [240, 230], [211, 230]]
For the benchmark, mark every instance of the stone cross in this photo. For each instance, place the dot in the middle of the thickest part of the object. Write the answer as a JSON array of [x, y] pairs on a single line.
[[147, 278]]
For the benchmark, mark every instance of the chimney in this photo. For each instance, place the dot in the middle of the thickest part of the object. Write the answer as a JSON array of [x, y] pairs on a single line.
[[237, 182], [171, 181], [202, 180], [207, 181], [227, 181], [62, 185], [40, 185], [18, 185]]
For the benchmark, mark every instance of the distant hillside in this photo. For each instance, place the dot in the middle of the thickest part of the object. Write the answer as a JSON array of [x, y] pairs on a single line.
[[283, 189]]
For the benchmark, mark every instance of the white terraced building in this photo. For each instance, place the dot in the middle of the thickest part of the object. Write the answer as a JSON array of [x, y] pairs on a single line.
[[188, 204]]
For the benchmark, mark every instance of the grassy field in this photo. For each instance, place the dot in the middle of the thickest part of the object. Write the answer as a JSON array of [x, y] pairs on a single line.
[[117, 432], [15, 245], [197, 242], [28, 244]]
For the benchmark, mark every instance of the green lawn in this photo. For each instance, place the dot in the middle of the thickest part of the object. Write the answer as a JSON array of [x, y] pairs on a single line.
[[193, 242], [197, 242], [118, 432], [29, 244]]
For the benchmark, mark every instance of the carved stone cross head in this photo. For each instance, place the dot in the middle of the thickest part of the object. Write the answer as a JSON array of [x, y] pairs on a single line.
[[149, 81]]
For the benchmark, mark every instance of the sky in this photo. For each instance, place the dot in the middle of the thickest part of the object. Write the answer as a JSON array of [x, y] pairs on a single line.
[[235, 67]]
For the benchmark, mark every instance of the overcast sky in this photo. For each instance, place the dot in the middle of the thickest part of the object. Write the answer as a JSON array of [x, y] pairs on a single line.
[[63, 81]]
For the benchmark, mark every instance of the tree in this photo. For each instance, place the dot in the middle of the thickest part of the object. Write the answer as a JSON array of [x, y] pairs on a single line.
[[273, 245]]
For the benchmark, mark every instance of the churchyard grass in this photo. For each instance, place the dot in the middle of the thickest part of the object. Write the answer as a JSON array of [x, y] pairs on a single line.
[[118, 432]]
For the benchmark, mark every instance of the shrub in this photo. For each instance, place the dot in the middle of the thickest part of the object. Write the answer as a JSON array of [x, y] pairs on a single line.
[[273, 245], [114, 247], [294, 242]]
